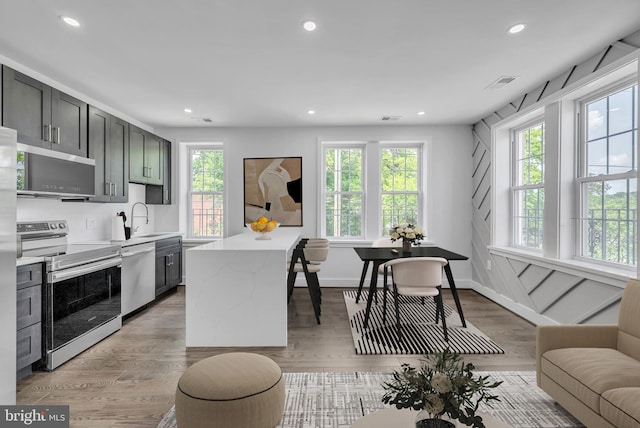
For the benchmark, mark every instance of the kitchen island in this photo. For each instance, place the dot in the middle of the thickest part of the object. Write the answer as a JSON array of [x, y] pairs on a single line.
[[236, 290]]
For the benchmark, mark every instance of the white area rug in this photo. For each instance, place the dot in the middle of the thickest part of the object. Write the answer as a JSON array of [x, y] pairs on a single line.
[[420, 334], [336, 400]]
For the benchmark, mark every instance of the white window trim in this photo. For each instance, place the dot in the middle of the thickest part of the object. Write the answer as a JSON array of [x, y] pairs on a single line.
[[184, 173], [514, 208], [559, 221], [371, 181], [582, 178], [421, 191], [323, 194]]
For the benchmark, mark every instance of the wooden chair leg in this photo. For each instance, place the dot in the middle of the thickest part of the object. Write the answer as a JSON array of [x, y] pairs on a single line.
[[384, 302], [444, 321], [291, 281], [312, 286], [395, 296]]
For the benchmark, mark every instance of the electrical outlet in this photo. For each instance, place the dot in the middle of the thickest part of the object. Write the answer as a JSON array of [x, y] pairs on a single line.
[[489, 264], [91, 222]]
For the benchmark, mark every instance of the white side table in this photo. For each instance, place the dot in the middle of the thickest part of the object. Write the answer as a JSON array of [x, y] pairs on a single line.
[[405, 418]]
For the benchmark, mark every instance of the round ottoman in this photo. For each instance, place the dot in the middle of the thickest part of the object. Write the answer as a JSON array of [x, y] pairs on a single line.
[[234, 390]]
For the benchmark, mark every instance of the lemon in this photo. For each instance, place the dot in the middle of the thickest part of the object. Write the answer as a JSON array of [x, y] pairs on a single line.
[[270, 226], [263, 220], [261, 226], [254, 226]]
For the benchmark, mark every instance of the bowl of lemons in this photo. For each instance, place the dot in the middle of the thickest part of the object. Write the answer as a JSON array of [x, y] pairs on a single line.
[[263, 226]]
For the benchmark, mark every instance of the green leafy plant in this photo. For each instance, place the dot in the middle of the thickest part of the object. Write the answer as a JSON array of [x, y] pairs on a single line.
[[443, 385], [407, 232]]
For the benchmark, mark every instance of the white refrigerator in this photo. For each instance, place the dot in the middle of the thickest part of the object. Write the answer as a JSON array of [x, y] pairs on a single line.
[[7, 266]]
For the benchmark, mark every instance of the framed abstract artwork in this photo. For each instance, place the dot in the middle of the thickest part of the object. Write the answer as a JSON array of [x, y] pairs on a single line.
[[273, 189]]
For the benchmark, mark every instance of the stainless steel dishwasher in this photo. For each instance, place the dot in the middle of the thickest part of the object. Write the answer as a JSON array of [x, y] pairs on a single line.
[[138, 276]]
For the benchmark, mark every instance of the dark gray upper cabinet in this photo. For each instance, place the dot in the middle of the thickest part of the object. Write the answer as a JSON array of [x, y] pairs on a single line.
[[109, 146], [145, 157], [166, 173], [42, 115], [161, 195]]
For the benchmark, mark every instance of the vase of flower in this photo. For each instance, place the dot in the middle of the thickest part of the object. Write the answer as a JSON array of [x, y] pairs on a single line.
[[443, 389], [409, 234], [424, 420]]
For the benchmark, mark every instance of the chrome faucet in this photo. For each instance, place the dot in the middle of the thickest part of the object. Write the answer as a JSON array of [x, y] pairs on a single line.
[[145, 216]]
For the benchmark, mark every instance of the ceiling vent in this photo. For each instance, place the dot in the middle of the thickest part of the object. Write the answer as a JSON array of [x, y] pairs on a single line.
[[390, 118], [204, 119], [501, 82]]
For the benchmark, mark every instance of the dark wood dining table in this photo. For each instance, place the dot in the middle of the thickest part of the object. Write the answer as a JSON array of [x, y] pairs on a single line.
[[381, 255]]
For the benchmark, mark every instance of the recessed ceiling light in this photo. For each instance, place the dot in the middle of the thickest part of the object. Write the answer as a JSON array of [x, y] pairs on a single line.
[[420, 113], [514, 29], [188, 110], [70, 21], [309, 25], [311, 112]]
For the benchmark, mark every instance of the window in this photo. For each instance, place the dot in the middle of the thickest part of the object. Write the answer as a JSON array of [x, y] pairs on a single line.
[[400, 186], [206, 192], [608, 176], [528, 185], [365, 206], [344, 191]]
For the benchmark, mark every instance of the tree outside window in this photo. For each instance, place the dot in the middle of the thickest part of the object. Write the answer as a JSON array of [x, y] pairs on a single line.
[[344, 192], [528, 186], [400, 186], [391, 194], [608, 179], [206, 192]]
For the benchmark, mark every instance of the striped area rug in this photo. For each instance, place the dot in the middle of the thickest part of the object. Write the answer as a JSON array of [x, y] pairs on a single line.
[[337, 400], [420, 334]]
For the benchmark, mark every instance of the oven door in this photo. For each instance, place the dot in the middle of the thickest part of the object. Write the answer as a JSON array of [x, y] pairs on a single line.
[[80, 299]]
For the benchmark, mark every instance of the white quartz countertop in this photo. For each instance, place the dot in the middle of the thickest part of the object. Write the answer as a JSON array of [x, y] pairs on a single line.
[[142, 239], [23, 261], [281, 239], [135, 240]]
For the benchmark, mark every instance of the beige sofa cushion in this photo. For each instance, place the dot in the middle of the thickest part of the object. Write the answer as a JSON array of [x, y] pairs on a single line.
[[628, 320], [621, 407], [588, 372]]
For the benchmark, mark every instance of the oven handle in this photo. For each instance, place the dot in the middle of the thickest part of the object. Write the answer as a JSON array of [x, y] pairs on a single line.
[[83, 270]]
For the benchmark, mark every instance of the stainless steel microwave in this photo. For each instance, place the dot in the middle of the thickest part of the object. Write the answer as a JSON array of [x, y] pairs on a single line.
[[43, 172]]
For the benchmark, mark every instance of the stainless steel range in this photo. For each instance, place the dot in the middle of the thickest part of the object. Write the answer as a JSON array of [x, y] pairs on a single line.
[[81, 291]]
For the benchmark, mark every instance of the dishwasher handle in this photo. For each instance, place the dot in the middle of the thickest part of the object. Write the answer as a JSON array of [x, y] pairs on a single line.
[[125, 254]]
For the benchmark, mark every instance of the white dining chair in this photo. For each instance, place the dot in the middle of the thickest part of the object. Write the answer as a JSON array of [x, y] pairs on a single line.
[[415, 276], [308, 260]]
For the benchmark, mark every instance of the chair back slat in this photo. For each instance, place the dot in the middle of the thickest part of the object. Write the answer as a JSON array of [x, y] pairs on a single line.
[[316, 254], [417, 271]]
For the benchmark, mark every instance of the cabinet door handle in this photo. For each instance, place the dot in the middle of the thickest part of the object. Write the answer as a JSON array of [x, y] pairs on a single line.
[[107, 189], [57, 135], [149, 168], [47, 132], [144, 171], [115, 189]]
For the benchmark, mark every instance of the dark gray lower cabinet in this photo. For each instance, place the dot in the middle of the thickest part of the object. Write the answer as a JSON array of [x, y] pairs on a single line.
[[168, 264], [29, 315]]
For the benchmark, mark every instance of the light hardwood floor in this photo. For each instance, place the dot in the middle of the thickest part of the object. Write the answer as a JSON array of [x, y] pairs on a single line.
[[129, 379]]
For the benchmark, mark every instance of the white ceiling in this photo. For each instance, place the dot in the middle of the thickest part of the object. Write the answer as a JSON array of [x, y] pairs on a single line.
[[250, 63]]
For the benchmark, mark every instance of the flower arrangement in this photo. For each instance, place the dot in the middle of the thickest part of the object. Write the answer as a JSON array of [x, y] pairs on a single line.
[[407, 232], [443, 385]]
